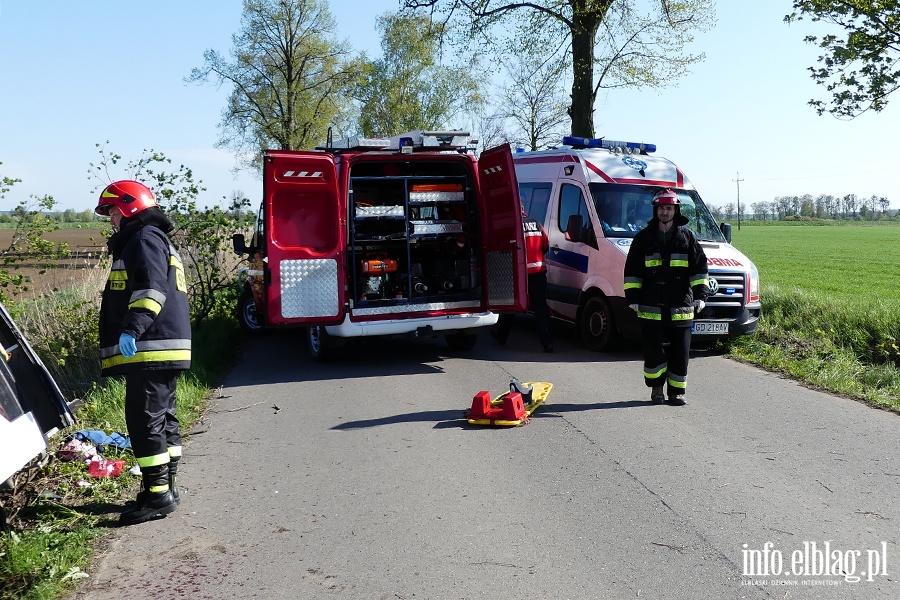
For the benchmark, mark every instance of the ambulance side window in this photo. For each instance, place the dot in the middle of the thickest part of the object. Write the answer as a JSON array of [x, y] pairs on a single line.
[[535, 199], [573, 212]]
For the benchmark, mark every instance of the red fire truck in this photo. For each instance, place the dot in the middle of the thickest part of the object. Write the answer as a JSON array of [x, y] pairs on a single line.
[[378, 237]]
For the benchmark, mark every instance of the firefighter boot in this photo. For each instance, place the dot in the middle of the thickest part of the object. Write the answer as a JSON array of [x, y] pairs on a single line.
[[155, 500], [676, 400], [173, 471], [656, 395]]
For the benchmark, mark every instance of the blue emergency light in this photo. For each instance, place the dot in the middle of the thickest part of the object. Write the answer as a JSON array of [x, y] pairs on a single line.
[[406, 145], [570, 140]]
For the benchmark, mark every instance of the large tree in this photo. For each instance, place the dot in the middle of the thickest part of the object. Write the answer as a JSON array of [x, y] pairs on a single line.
[[409, 87], [612, 43], [862, 69], [290, 77]]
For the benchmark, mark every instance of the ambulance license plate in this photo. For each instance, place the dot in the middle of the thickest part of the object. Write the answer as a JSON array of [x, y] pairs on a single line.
[[707, 328]]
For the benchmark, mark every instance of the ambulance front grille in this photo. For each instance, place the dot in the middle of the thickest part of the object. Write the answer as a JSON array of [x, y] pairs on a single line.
[[309, 288], [728, 301]]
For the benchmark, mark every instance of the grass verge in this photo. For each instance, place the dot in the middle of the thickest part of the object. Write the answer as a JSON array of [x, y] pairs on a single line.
[[62, 512], [851, 349]]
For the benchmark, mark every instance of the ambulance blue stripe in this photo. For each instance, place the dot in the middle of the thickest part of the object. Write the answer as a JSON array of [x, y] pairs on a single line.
[[567, 258], [565, 295]]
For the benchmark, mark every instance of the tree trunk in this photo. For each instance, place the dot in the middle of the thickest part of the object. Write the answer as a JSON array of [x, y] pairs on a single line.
[[585, 22]]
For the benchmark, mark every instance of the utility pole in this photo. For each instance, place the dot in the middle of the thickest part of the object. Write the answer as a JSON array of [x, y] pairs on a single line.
[[738, 181]]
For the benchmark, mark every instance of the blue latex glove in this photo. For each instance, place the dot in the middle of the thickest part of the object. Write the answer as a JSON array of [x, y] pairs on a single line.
[[127, 345]]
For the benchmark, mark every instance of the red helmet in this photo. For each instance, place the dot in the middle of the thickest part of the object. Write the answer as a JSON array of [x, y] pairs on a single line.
[[666, 197], [131, 197]]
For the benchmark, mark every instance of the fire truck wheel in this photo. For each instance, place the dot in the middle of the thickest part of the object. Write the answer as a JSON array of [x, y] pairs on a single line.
[[319, 343], [461, 341], [247, 315], [597, 328]]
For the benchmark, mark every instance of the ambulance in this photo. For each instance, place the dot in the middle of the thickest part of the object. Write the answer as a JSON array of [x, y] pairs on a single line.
[[409, 235], [593, 196]]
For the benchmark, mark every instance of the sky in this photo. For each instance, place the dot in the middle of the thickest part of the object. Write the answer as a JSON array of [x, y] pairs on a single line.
[[77, 74]]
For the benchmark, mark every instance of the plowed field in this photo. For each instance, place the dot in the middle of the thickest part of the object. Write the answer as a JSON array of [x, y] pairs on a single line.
[[87, 246]]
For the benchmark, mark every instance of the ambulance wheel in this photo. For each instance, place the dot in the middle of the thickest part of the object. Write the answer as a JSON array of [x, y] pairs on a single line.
[[319, 343], [597, 328], [461, 342], [247, 315]]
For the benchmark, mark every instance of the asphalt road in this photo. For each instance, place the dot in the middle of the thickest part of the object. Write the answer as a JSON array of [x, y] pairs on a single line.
[[361, 479]]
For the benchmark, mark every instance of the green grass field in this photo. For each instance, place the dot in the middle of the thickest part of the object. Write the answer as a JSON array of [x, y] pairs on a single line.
[[831, 307], [850, 263]]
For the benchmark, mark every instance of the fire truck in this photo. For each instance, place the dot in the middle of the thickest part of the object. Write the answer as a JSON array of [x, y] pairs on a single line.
[[408, 235]]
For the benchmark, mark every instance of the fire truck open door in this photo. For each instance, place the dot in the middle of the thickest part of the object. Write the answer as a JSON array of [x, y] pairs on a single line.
[[504, 273], [303, 221]]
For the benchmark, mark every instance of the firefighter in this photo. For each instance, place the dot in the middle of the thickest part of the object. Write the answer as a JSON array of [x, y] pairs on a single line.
[[666, 283], [536, 246], [145, 335]]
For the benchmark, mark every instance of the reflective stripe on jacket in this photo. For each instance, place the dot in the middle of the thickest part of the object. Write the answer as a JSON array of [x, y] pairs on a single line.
[[665, 280], [146, 297], [536, 245]]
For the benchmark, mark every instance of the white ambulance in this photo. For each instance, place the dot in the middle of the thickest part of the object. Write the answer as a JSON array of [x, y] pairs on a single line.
[[409, 235], [593, 196]]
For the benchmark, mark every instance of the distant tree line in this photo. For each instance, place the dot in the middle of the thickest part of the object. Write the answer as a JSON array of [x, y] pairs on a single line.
[[61, 216], [824, 206]]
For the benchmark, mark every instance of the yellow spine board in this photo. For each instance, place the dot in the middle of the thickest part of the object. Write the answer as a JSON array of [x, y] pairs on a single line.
[[539, 393]]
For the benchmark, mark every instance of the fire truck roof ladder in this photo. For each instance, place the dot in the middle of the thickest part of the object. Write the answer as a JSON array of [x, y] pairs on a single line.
[[356, 142], [430, 140]]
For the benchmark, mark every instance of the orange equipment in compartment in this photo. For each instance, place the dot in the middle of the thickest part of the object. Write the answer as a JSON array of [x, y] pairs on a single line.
[[436, 187], [378, 264]]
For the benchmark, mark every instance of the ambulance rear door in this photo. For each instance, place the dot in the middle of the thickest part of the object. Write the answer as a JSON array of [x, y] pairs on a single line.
[[304, 223], [503, 248]]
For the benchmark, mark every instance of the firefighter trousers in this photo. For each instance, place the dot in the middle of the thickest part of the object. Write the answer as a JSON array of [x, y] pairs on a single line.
[[150, 416], [666, 353]]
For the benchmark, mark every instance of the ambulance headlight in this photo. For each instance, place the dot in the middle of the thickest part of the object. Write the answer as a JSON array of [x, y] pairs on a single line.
[[753, 289]]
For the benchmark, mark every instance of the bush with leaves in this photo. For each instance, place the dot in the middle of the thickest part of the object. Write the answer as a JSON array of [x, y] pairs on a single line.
[[202, 235]]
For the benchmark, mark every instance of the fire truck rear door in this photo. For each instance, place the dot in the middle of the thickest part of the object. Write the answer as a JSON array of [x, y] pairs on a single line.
[[503, 239], [304, 234]]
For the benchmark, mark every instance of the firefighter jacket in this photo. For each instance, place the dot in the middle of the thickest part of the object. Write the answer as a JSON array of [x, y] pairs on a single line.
[[536, 245], [664, 280], [146, 297]]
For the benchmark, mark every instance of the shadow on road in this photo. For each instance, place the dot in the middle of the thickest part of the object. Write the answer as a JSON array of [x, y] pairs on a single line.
[[456, 418], [378, 357]]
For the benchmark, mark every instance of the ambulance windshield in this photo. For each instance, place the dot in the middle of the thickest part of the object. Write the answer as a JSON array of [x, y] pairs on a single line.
[[625, 209]]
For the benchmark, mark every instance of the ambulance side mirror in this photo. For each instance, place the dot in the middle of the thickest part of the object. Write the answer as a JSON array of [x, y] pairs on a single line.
[[239, 244], [726, 231], [574, 231]]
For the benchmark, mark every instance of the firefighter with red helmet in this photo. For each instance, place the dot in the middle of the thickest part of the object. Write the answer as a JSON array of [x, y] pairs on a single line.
[[145, 335], [536, 246], [666, 283]]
